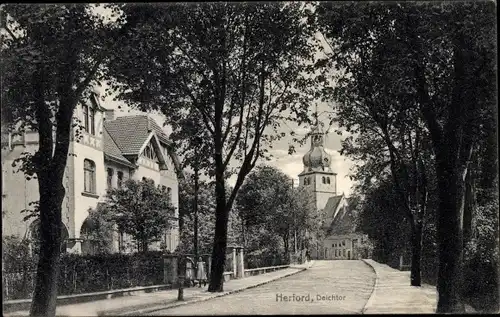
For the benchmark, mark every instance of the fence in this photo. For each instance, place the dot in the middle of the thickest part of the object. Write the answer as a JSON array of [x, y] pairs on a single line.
[[265, 260], [84, 274]]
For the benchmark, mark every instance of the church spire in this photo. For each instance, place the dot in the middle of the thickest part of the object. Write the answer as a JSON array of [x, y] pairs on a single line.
[[316, 115]]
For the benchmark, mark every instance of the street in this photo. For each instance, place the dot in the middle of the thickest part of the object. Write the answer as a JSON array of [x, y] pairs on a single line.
[[329, 287]]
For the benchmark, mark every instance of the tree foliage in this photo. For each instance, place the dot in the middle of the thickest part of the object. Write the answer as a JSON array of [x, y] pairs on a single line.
[[375, 107], [100, 233], [51, 56], [139, 209], [441, 67], [269, 206], [229, 70]]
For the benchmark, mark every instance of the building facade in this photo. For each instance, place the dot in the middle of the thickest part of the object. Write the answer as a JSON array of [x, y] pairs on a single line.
[[341, 240], [104, 152]]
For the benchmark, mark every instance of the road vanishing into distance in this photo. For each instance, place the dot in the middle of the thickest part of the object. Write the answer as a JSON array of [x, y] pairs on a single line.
[[328, 287]]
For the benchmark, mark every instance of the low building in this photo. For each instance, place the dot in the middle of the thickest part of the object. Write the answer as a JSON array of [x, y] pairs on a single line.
[[103, 154], [342, 241]]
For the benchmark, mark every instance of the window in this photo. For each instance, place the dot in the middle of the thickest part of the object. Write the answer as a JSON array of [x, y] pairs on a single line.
[[121, 241], [149, 153], [328, 180], [86, 117], [305, 181], [169, 193], [89, 176], [343, 243], [343, 252], [110, 178], [324, 180], [119, 181], [92, 121]]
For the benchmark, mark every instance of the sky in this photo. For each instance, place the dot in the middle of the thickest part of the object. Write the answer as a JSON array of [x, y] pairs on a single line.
[[291, 165]]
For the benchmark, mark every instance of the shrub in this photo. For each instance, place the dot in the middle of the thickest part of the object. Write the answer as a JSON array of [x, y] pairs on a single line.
[[481, 260], [88, 273], [264, 258]]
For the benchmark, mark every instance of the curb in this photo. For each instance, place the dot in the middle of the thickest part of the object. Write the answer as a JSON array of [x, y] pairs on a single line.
[[16, 305], [183, 303], [375, 285]]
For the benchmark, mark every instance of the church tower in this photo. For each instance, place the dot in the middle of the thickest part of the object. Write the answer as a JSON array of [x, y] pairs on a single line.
[[317, 175]]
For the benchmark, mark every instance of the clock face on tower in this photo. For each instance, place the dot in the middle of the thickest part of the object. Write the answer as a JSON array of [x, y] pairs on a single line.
[[317, 140]]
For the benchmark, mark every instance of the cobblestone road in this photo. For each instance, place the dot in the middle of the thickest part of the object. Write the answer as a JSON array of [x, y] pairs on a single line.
[[329, 287]]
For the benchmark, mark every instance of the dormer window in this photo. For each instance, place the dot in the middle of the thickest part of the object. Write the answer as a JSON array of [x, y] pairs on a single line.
[[92, 121], [86, 118], [150, 153], [89, 119]]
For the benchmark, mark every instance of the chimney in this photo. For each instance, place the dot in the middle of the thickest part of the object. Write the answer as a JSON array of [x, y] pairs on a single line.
[[109, 114]]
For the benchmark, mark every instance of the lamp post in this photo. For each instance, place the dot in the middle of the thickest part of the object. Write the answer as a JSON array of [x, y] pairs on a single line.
[[196, 141], [118, 217], [197, 144], [195, 204]]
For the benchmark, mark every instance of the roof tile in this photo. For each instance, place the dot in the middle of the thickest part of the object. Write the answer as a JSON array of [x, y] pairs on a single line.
[[111, 149], [130, 132]]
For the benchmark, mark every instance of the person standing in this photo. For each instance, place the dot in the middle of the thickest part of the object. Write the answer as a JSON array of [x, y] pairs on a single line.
[[189, 271], [201, 274]]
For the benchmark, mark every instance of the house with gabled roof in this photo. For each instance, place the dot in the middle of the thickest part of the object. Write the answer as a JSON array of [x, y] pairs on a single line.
[[104, 153], [340, 240]]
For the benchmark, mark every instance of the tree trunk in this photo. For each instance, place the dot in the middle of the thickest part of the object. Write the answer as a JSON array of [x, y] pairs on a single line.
[[195, 207], [450, 236], [243, 238], [220, 244], [416, 254], [45, 294], [221, 220], [285, 242], [295, 241], [469, 204]]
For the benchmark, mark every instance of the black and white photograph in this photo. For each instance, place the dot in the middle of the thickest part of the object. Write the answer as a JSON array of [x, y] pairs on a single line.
[[249, 158]]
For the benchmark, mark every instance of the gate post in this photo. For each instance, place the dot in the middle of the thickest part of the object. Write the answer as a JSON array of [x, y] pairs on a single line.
[[170, 264], [234, 263], [240, 262]]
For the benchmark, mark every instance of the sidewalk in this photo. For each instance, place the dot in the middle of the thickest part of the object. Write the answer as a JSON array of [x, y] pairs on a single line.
[[149, 302], [393, 294]]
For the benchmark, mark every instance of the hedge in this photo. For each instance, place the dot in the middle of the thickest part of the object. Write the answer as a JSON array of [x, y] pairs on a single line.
[[87, 273], [264, 259]]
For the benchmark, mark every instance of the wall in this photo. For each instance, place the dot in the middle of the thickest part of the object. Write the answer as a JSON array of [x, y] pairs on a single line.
[[88, 147], [147, 170], [116, 168], [168, 178], [18, 191], [329, 241], [322, 192]]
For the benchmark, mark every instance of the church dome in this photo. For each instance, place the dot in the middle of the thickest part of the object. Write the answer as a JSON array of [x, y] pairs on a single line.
[[317, 159]]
